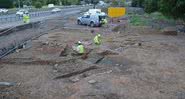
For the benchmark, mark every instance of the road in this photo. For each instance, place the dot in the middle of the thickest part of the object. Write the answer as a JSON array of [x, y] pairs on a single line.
[[14, 15], [13, 20]]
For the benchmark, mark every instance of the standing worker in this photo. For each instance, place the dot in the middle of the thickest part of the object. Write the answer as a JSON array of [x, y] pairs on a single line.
[[104, 22], [79, 49], [97, 39], [26, 18]]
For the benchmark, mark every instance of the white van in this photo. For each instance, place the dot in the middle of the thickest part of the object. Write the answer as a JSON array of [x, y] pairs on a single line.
[[51, 5], [95, 11], [91, 20]]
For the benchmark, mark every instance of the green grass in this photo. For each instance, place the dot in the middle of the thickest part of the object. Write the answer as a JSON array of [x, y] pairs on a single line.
[[146, 19], [161, 17], [137, 20]]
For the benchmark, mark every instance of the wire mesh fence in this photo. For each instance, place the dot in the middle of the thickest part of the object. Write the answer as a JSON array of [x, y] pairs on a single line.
[[15, 18]]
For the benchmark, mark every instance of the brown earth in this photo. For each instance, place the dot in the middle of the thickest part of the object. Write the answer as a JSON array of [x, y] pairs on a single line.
[[139, 63]]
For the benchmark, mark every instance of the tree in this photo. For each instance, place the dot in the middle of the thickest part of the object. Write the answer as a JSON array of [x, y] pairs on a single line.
[[107, 1], [94, 2], [56, 2], [88, 1], [138, 3], [151, 5], [38, 4], [173, 8], [73, 2], [6, 3], [122, 3], [27, 2], [68, 2], [115, 3]]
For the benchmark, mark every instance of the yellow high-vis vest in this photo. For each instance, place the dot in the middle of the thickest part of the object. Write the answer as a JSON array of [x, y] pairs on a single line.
[[97, 40], [81, 49]]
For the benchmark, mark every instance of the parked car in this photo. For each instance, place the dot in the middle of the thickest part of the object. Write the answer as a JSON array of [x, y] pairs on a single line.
[[91, 20], [55, 10], [22, 12], [3, 10]]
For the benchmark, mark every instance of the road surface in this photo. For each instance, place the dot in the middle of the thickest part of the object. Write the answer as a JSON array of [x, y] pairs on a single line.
[[13, 20]]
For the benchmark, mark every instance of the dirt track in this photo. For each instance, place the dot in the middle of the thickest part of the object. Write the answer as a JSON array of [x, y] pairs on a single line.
[[147, 65]]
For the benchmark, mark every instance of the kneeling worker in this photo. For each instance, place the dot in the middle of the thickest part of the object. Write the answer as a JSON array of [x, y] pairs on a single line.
[[97, 39], [79, 49]]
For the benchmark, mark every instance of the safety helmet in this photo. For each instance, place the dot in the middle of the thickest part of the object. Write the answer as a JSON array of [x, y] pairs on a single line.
[[79, 42], [99, 35]]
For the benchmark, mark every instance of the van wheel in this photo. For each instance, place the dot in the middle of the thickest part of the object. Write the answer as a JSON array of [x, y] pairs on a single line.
[[79, 22], [92, 24]]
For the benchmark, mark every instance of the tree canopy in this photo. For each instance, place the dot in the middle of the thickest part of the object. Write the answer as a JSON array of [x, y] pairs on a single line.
[[37, 3], [16, 3], [174, 8], [6, 3]]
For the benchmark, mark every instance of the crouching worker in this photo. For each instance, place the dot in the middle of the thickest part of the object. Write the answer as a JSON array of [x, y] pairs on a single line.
[[79, 49], [97, 39]]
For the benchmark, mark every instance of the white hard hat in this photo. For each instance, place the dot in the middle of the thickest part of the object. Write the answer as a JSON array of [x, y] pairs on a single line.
[[79, 42]]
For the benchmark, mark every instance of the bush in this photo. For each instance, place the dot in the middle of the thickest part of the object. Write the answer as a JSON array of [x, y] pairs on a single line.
[[122, 3], [38, 5], [158, 16], [114, 3], [137, 21]]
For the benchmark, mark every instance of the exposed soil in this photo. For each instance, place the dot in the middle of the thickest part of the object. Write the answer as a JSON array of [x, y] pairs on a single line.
[[133, 63]]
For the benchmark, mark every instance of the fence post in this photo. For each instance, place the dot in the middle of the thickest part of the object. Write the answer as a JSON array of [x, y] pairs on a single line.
[[6, 19], [0, 20]]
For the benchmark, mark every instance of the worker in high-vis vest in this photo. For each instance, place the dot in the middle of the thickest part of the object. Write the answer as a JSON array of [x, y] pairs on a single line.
[[97, 39], [79, 49], [26, 18], [105, 21]]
